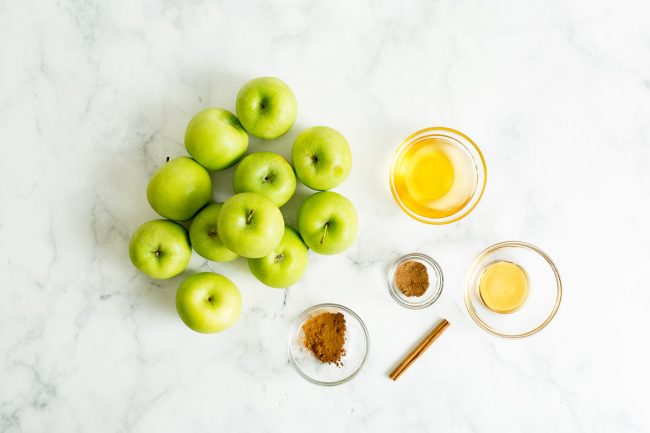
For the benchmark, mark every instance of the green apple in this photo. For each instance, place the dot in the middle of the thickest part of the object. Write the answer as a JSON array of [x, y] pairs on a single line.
[[250, 225], [328, 222], [266, 107], [204, 235], [285, 265], [321, 157], [160, 249], [179, 189], [208, 302], [215, 139], [266, 173]]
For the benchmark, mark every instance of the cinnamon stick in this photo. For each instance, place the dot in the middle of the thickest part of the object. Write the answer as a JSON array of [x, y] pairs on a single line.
[[419, 350]]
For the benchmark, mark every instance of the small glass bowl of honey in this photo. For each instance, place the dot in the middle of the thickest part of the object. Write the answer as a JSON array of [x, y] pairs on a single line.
[[438, 175]]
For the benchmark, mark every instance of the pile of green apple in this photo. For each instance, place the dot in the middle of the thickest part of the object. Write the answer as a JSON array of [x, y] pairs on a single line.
[[249, 224]]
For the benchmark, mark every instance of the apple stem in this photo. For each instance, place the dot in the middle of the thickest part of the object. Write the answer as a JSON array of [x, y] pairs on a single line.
[[322, 239], [167, 159], [250, 216]]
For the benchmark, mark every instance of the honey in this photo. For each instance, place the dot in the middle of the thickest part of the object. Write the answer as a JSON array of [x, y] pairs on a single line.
[[435, 177], [503, 286]]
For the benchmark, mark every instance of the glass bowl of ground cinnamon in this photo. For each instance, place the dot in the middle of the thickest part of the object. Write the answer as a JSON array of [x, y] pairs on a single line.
[[415, 281], [328, 344]]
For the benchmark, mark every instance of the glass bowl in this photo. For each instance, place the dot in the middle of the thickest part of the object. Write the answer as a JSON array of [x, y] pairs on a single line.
[[466, 146], [436, 282], [356, 348], [544, 291]]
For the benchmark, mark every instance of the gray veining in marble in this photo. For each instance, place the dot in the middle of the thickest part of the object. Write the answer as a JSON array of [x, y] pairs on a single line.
[[94, 95]]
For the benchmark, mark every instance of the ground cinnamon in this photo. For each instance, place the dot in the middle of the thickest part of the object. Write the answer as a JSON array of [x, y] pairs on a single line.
[[412, 278], [325, 337]]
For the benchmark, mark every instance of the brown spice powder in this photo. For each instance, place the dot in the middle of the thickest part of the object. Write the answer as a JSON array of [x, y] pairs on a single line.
[[325, 337], [412, 278]]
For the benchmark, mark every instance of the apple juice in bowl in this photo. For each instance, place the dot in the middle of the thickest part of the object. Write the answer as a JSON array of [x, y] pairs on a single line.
[[437, 175]]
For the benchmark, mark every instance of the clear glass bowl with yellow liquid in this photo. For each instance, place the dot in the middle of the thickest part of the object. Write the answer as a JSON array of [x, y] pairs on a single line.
[[438, 175], [513, 289]]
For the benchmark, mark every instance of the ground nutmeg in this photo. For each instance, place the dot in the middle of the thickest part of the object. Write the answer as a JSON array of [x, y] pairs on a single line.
[[412, 278]]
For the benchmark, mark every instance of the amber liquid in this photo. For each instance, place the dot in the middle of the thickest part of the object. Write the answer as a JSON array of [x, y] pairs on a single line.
[[435, 178], [503, 286]]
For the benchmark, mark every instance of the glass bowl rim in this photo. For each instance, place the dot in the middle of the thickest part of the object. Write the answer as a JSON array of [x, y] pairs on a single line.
[[516, 244], [478, 192], [393, 289], [300, 318]]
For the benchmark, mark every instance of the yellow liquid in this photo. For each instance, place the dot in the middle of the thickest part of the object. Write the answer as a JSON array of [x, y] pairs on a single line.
[[435, 178], [503, 287]]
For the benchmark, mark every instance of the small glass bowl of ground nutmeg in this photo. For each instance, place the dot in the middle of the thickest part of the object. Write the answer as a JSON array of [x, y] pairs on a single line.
[[415, 281], [328, 344]]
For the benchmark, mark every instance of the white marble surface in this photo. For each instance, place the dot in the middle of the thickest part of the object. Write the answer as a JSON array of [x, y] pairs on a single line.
[[95, 94]]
